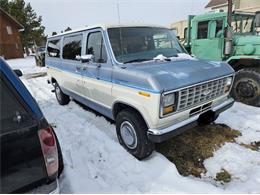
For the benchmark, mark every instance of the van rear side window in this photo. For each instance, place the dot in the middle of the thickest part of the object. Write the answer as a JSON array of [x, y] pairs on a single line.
[[72, 47], [53, 48]]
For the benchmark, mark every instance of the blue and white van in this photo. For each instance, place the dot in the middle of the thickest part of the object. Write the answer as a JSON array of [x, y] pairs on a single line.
[[141, 77]]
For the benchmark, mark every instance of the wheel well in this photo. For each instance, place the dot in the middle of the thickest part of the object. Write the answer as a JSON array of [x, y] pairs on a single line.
[[53, 80], [239, 64], [118, 107]]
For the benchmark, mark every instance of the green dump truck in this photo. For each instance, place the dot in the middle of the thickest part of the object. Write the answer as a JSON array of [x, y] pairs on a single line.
[[211, 36]]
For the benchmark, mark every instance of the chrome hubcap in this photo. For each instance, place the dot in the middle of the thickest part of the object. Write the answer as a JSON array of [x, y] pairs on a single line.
[[128, 135]]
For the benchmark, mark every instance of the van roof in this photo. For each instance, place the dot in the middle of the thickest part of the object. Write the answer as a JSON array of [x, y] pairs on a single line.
[[104, 27]]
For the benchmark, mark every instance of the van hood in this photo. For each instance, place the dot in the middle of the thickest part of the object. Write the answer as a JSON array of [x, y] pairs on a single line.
[[166, 76]]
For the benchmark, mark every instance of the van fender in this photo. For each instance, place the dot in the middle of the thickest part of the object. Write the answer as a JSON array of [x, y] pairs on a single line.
[[137, 106]]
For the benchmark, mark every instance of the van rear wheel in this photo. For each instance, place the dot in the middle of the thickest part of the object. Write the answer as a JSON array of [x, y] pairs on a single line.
[[62, 98], [132, 134]]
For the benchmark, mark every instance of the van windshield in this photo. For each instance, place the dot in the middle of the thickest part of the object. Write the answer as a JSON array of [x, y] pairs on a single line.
[[137, 44]]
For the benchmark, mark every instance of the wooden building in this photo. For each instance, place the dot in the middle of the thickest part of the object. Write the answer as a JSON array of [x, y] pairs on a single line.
[[10, 41]]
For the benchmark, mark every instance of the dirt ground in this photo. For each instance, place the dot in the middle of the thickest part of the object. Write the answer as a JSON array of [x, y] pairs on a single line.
[[189, 150]]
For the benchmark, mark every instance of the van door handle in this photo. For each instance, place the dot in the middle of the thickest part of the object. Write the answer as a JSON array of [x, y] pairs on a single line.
[[78, 67], [84, 67]]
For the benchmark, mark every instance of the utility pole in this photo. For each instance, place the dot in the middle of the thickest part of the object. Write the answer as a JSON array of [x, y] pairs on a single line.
[[229, 19], [228, 42]]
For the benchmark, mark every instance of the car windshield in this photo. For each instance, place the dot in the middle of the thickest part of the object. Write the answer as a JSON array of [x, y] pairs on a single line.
[[243, 23], [137, 44]]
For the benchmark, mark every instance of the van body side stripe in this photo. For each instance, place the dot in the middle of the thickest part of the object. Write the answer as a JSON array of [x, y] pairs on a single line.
[[118, 82]]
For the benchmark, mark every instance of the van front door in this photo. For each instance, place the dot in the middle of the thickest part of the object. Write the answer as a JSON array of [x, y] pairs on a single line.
[[72, 45], [98, 71], [208, 42]]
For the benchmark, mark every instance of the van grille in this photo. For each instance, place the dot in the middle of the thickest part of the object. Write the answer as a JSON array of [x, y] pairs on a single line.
[[195, 95]]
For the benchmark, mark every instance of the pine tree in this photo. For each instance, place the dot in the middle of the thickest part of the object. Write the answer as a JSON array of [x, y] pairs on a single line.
[[4, 5]]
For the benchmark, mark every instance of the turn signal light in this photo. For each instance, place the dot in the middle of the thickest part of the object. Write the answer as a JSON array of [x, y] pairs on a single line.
[[168, 109], [144, 93]]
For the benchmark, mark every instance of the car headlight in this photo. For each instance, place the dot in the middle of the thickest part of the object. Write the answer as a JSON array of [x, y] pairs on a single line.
[[228, 84], [168, 103]]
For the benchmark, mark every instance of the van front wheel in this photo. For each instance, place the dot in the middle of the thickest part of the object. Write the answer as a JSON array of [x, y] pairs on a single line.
[[132, 134], [62, 98]]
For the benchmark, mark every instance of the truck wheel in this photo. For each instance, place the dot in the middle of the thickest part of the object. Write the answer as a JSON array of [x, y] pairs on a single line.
[[62, 98], [246, 87], [132, 134]]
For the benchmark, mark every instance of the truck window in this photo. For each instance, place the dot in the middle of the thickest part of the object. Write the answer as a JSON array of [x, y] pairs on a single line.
[[219, 27], [53, 48], [13, 114], [161, 41], [202, 30], [185, 35], [96, 47], [72, 47]]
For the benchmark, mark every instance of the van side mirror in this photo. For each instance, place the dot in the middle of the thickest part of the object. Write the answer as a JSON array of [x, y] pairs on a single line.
[[257, 19], [85, 58], [18, 72]]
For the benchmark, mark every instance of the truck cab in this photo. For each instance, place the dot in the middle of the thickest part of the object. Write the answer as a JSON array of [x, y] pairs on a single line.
[[206, 39]]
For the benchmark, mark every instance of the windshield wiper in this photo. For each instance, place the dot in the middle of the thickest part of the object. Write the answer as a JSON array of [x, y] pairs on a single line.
[[137, 60]]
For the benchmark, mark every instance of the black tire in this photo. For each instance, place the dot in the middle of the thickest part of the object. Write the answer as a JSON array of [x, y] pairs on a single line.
[[246, 87], [60, 156], [143, 147], [62, 98]]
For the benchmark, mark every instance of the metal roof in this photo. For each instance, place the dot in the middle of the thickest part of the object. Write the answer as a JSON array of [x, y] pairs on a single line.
[[214, 3]]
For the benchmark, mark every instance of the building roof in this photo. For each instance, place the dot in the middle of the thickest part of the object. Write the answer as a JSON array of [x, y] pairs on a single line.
[[214, 3], [19, 25]]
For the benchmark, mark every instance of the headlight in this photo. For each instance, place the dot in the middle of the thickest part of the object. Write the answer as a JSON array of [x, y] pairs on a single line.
[[168, 99], [168, 103], [228, 84]]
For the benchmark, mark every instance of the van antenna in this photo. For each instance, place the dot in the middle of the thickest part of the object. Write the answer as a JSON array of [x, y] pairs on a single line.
[[120, 30], [118, 13]]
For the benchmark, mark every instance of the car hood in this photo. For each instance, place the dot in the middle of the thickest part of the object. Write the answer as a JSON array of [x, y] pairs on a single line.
[[165, 76]]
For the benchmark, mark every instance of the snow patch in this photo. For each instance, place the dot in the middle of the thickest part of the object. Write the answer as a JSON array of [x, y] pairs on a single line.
[[240, 162]]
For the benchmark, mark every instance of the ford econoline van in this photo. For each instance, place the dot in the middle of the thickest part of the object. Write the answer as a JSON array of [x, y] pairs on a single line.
[[141, 77]]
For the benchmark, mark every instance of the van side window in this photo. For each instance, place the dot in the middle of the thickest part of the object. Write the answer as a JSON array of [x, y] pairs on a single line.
[[202, 30], [96, 47], [72, 47], [13, 114], [53, 48]]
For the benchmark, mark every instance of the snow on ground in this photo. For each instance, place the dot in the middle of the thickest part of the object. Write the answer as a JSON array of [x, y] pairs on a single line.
[[26, 65], [96, 163]]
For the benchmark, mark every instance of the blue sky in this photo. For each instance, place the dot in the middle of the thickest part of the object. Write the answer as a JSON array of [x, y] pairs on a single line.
[[59, 14]]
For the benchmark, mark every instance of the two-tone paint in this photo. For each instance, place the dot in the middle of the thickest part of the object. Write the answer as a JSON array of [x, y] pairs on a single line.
[[138, 85]]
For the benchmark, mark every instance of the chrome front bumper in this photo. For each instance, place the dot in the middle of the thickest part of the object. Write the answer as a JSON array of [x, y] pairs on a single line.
[[159, 135]]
